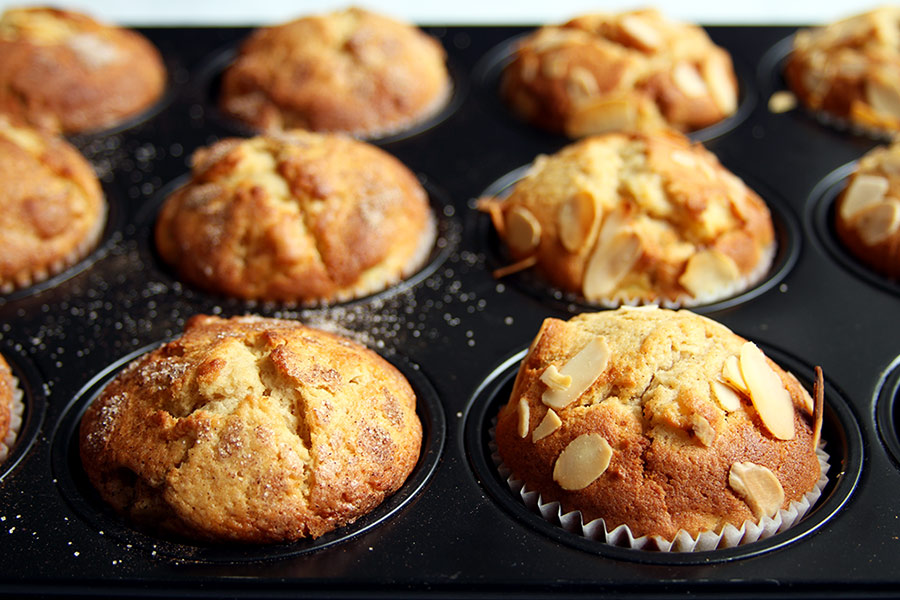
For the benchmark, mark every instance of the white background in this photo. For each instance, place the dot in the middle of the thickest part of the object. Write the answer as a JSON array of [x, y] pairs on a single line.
[[457, 12]]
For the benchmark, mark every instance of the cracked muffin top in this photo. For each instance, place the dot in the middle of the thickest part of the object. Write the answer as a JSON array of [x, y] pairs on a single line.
[[64, 72], [848, 69], [351, 71], [867, 218], [296, 217], [53, 207], [251, 429], [659, 420], [630, 71], [645, 218]]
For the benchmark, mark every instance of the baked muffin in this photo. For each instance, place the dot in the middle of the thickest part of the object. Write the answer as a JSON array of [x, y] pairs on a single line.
[[296, 217], [351, 71], [662, 421], [620, 72], [848, 69], [637, 218], [251, 429], [867, 218], [53, 206], [63, 71], [11, 409]]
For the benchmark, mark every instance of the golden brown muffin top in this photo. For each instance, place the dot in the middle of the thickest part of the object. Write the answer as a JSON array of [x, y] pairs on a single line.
[[633, 70], [868, 210], [53, 206], [251, 429], [296, 217], [351, 71], [63, 71], [624, 217], [640, 415], [848, 68]]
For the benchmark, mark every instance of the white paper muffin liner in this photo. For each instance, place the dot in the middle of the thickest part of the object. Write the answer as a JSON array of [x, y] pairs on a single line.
[[16, 410], [621, 536]]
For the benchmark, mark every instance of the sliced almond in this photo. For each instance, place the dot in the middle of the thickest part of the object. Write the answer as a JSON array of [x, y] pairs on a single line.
[[556, 380], [575, 219], [520, 265], [770, 399], [709, 272], [553, 66], [687, 79], [703, 430], [864, 191], [524, 417], [584, 368], [494, 208], [782, 101], [582, 82], [819, 407], [717, 72], [641, 33], [731, 372], [685, 159], [725, 396], [878, 222], [601, 117], [550, 423], [611, 261], [582, 462], [523, 230], [758, 487], [883, 96]]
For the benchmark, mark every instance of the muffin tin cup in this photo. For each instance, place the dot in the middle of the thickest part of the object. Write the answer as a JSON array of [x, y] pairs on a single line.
[[73, 484], [784, 256], [887, 411], [842, 461]]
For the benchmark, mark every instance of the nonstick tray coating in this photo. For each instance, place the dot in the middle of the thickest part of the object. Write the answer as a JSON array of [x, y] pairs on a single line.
[[457, 333]]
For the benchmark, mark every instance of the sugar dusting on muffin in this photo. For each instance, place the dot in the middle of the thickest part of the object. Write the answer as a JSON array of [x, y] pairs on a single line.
[[296, 217], [251, 429]]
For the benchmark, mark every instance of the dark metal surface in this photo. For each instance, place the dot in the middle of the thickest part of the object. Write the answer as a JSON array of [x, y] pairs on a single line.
[[454, 329]]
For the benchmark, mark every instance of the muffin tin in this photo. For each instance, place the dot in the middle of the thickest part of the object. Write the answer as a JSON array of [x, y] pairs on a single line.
[[457, 333]]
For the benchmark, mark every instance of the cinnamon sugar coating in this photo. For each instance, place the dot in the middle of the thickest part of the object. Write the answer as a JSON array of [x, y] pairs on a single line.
[[251, 429]]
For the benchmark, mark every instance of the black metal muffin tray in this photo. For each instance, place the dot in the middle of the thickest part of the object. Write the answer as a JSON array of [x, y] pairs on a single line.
[[454, 529]]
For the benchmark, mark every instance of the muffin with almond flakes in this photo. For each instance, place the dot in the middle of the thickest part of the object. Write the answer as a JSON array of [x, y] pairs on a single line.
[[847, 70], [637, 218], [629, 71], [663, 423], [867, 216]]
